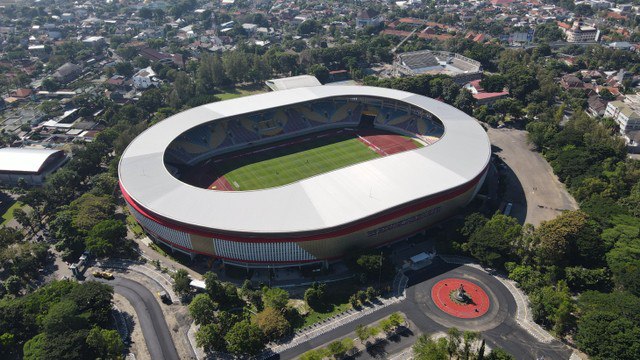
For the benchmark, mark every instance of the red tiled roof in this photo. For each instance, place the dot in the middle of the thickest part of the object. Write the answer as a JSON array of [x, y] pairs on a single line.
[[490, 95], [22, 93]]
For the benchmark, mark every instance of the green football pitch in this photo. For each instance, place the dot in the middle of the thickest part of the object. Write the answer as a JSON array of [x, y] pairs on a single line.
[[292, 163]]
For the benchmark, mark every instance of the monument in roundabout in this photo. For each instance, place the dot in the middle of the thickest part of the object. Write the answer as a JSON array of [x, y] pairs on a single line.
[[460, 298]]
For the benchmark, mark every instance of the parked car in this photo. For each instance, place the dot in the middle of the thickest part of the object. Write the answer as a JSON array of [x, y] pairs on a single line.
[[165, 297], [103, 275]]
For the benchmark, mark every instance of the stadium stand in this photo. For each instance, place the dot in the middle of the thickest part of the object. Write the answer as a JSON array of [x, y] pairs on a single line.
[[295, 122], [240, 134], [208, 139]]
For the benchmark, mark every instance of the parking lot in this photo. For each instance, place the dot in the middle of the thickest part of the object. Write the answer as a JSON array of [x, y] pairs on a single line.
[[536, 193]]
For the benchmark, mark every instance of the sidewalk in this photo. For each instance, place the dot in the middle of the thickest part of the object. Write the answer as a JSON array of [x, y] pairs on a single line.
[[284, 277], [305, 334]]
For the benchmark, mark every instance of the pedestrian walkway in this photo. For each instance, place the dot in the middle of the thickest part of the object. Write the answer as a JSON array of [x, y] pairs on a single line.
[[524, 317]]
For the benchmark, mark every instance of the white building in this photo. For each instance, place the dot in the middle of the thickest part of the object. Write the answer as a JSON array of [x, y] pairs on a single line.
[[144, 78], [580, 33], [30, 165], [625, 113]]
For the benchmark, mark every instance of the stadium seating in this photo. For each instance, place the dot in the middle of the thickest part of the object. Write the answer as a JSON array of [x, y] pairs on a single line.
[[310, 115], [295, 122], [240, 134], [325, 108], [388, 114], [349, 112], [231, 132]]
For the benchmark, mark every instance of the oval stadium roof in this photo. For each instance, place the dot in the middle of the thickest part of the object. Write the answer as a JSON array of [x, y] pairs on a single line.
[[325, 201]]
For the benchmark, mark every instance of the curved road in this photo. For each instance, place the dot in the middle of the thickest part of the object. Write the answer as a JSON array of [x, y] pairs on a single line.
[[154, 327], [498, 327]]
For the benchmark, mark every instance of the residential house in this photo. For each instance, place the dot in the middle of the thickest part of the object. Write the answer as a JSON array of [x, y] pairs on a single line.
[[367, 17], [144, 78], [67, 73]]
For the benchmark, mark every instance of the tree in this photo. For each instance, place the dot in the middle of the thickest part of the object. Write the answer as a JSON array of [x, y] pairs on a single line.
[[320, 72], [105, 236], [371, 264], [50, 85], [568, 235], [183, 89], [124, 68], [362, 332], [606, 95], [88, 210], [95, 301], [315, 296], [25, 219], [151, 100], [499, 354], [464, 101], [338, 348], [244, 338], [181, 282], [272, 323], [236, 66], [13, 284], [106, 344], [211, 338], [308, 27], [454, 339], [493, 83], [426, 348], [275, 298], [62, 318], [624, 258], [472, 223], [605, 335], [371, 293], [492, 243], [202, 309]]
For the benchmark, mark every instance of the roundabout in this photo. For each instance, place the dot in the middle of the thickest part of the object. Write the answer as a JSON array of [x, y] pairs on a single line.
[[460, 298]]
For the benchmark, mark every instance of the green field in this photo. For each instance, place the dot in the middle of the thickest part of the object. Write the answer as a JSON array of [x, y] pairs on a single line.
[[233, 93], [298, 165], [8, 215]]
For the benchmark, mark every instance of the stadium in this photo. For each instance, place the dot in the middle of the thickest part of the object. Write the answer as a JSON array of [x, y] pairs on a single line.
[[304, 175]]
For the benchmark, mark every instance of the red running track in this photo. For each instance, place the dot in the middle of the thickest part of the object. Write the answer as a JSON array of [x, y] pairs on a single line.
[[221, 184], [441, 294], [387, 144]]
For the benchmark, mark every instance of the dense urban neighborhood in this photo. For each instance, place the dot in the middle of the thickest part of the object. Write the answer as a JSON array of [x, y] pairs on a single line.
[[287, 179]]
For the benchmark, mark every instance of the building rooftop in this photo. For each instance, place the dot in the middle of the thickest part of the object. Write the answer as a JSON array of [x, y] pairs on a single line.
[[293, 82], [24, 159], [330, 200]]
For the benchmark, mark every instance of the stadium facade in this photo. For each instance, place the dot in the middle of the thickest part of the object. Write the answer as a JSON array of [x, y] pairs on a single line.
[[319, 218]]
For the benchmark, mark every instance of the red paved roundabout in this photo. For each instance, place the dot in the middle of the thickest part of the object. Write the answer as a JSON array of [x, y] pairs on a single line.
[[441, 294]]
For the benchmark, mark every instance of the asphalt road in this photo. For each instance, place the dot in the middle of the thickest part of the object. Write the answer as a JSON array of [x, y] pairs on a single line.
[[498, 326], [150, 316]]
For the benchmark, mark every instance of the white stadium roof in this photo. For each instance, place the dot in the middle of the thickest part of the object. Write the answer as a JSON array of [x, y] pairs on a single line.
[[23, 159], [293, 82], [325, 201]]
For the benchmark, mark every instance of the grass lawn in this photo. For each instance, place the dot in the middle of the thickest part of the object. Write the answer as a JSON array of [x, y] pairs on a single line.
[[338, 294], [281, 170], [8, 215], [314, 317], [134, 226], [240, 92]]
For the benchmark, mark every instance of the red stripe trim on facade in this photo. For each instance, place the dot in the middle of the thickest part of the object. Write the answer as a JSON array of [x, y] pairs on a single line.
[[453, 193]]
